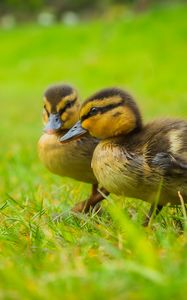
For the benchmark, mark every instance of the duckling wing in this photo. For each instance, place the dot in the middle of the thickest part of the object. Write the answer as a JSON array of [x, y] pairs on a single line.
[[166, 146], [169, 164]]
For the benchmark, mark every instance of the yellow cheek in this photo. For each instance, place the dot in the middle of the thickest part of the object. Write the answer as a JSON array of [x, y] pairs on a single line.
[[101, 129], [93, 126], [64, 117], [69, 119], [86, 124]]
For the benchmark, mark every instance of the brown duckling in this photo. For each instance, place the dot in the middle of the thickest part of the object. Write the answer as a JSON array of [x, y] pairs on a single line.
[[148, 162], [61, 112]]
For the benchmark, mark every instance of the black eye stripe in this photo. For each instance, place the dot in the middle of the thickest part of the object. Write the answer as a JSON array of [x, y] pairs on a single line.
[[101, 110], [46, 110], [68, 105]]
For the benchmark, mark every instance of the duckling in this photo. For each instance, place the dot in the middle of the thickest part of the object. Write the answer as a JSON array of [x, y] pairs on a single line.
[[147, 162], [61, 111]]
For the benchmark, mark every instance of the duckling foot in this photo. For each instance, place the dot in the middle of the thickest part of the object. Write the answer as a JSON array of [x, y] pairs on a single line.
[[151, 212], [92, 203]]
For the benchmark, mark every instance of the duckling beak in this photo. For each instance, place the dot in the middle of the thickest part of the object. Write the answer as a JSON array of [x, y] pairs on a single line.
[[75, 132], [54, 124]]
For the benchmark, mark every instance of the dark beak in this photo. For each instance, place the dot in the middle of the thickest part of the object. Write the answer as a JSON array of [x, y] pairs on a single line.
[[75, 132], [54, 124]]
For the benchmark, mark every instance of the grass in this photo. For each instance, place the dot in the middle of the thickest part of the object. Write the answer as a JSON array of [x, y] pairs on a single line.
[[43, 256]]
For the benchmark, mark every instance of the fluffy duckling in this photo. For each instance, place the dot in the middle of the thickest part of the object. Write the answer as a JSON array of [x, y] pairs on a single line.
[[132, 159], [61, 112]]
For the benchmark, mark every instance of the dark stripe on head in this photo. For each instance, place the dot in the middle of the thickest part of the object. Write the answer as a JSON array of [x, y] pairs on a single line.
[[100, 110], [69, 104]]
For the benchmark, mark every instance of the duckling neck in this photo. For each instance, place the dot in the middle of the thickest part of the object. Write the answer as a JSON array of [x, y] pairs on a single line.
[[137, 129], [133, 135], [61, 133]]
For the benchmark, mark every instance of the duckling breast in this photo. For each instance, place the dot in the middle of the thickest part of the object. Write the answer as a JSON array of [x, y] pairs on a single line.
[[118, 171], [72, 159]]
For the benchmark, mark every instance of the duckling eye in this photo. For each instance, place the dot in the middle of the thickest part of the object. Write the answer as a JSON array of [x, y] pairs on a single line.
[[94, 110], [69, 104]]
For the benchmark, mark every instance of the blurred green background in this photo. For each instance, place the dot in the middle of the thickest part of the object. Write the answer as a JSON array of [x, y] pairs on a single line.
[[140, 46]]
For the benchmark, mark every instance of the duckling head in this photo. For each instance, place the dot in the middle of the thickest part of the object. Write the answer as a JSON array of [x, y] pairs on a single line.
[[61, 108], [109, 113]]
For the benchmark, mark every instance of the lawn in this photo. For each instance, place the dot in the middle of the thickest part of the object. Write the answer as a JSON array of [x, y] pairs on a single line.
[[45, 251]]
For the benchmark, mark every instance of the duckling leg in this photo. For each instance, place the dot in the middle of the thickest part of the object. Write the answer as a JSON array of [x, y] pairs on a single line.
[[150, 213], [89, 204]]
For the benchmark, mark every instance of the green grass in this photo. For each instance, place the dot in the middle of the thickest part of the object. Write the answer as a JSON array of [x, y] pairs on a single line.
[[87, 257]]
